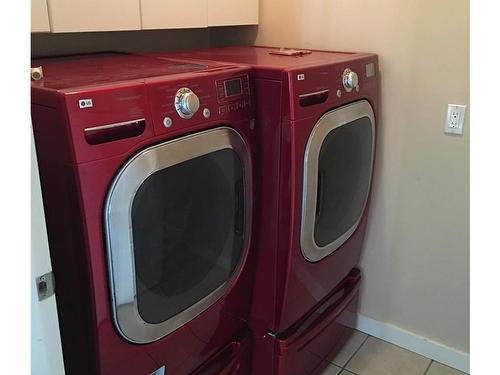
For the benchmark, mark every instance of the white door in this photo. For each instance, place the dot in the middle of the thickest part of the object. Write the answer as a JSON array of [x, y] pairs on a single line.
[[46, 352]]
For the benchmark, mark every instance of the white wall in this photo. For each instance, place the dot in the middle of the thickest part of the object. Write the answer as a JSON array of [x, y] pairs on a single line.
[[415, 259]]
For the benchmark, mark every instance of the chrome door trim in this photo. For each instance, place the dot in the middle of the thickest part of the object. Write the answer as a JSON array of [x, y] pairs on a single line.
[[306, 95], [114, 125], [118, 228], [328, 122]]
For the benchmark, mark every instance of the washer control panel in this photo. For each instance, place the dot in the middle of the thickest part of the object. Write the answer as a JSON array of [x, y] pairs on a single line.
[[232, 89], [186, 102], [179, 102], [233, 94]]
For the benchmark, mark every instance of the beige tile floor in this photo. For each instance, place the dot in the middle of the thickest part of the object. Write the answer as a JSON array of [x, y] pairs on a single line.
[[367, 355]]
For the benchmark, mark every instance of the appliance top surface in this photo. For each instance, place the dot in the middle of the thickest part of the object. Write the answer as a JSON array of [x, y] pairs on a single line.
[[265, 57], [61, 73]]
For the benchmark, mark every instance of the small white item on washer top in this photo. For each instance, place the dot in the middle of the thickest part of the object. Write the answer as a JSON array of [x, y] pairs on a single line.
[[167, 122], [36, 73]]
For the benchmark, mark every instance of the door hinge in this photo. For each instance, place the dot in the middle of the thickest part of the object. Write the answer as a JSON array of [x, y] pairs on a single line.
[[45, 285]]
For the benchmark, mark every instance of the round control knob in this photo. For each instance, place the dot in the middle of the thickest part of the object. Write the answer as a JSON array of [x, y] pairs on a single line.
[[186, 103], [349, 80]]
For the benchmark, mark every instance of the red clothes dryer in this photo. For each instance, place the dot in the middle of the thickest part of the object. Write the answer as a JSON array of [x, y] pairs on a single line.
[[146, 171], [316, 130]]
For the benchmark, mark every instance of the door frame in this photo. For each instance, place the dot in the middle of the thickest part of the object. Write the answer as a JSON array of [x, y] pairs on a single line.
[[118, 228]]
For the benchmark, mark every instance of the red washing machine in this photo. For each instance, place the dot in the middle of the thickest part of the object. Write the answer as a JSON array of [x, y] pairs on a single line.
[[315, 126], [146, 171]]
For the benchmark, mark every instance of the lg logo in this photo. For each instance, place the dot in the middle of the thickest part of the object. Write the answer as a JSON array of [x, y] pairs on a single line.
[[85, 103]]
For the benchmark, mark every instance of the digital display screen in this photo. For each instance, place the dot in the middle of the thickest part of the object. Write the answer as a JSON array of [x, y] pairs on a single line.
[[233, 87]]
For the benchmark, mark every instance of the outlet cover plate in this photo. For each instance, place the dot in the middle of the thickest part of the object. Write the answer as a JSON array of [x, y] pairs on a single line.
[[455, 119]]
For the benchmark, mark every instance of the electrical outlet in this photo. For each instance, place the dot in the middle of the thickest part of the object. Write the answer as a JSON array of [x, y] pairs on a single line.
[[455, 119]]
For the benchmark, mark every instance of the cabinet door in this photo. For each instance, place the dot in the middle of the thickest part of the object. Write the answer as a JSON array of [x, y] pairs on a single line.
[[231, 12], [94, 15], [172, 14], [39, 16]]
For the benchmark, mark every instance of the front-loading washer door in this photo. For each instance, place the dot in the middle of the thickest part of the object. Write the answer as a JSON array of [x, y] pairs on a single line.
[[177, 222], [338, 165]]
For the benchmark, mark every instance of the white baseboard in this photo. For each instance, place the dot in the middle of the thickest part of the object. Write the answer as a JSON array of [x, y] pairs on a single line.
[[408, 340]]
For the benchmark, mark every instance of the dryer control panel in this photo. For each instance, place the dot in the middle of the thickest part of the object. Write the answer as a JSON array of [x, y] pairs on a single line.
[[317, 89]]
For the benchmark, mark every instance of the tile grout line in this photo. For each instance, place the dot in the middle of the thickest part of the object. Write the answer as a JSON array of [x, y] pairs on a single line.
[[399, 346], [428, 367], [344, 368], [355, 352]]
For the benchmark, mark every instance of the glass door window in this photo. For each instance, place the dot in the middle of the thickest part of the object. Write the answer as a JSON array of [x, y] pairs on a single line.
[[187, 233], [178, 218], [337, 174]]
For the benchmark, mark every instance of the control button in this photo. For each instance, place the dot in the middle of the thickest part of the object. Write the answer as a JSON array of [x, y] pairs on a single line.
[[339, 93], [167, 122], [206, 113], [349, 80], [186, 103]]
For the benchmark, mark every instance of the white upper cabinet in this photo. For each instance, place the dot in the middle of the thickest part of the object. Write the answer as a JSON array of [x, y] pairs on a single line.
[[94, 15], [39, 16], [64, 16], [172, 14], [233, 12]]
